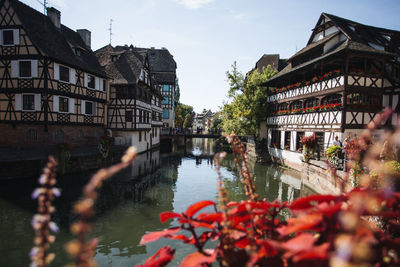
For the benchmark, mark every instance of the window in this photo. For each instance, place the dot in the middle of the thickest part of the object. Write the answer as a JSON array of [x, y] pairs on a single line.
[[298, 139], [8, 37], [64, 73], [332, 99], [140, 136], [165, 100], [79, 134], [283, 106], [63, 104], [128, 116], [31, 135], [28, 102], [91, 83], [165, 114], [276, 138], [140, 116], [165, 88], [311, 103], [296, 105], [88, 108], [25, 69], [287, 140], [104, 85], [59, 134]]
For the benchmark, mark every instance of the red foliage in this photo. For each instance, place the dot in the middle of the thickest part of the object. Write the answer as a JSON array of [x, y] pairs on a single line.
[[163, 256], [323, 230]]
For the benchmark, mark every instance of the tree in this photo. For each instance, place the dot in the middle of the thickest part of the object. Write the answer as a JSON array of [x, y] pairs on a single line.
[[188, 121], [180, 114], [217, 121], [248, 105]]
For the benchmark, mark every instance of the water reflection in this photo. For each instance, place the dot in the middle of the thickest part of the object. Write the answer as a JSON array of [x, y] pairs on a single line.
[[130, 203]]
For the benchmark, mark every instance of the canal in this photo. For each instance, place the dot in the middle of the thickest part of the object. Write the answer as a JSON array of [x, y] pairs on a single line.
[[130, 203]]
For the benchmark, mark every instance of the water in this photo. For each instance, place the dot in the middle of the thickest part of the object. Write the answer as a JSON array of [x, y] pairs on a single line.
[[130, 203]]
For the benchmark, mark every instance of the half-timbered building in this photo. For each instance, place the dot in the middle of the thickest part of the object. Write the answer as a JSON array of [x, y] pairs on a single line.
[[163, 69], [52, 88], [335, 86], [134, 109]]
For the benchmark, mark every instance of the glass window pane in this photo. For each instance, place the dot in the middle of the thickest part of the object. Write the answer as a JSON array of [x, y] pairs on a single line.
[[8, 37], [64, 74], [25, 69], [28, 102]]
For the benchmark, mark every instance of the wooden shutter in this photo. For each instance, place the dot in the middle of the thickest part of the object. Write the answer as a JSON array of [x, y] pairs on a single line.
[[14, 68], [85, 79], [94, 108], [71, 107], [18, 102], [16, 36], [83, 107], [55, 103], [56, 71], [72, 76], [97, 83], [38, 101], [34, 68], [1, 37]]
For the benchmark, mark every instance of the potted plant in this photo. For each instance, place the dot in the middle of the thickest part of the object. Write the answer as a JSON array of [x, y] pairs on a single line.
[[332, 155]]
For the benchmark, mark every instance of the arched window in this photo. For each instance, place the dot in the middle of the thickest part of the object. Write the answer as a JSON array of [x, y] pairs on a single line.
[[31, 135], [296, 104], [312, 102], [332, 99]]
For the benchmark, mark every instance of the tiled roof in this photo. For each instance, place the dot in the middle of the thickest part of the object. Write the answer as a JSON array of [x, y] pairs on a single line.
[[56, 43], [359, 37]]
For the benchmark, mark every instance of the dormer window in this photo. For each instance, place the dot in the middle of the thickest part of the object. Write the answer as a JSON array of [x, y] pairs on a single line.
[[77, 51]]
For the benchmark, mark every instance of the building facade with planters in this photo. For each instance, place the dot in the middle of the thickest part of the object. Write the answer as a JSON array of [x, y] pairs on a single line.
[[335, 86], [134, 109], [52, 88]]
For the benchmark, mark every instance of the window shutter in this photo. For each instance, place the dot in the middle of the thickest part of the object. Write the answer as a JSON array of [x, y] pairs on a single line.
[[56, 71], [85, 79], [55, 103], [34, 66], [1, 37], [83, 107], [94, 108], [16, 36], [38, 101], [14, 69], [18, 102], [97, 83], [71, 107], [72, 74]]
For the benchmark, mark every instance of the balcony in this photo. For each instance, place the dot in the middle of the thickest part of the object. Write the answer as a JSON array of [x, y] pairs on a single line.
[[320, 119]]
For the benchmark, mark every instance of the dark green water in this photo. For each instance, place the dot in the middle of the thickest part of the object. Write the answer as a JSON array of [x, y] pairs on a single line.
[[130, 204]]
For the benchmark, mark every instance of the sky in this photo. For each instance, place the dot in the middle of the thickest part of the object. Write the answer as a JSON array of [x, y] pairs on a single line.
[[207, 36]]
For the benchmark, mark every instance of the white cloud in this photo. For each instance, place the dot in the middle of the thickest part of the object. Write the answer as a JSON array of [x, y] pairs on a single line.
[[194, 4]]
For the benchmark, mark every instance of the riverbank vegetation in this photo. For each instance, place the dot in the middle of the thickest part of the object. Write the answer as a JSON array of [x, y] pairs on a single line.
[[247, 104]]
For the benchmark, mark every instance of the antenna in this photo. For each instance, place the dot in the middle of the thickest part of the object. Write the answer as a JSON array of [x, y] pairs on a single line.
[[44, 4], [110, 29]]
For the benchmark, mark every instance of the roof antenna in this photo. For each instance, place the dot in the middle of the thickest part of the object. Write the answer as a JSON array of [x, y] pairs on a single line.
[[44, 4], [110, 29]]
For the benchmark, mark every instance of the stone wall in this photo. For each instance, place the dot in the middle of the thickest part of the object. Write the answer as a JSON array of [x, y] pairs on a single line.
[[34, 135]]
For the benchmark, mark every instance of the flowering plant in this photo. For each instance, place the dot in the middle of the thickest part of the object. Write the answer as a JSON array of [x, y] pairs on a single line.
[[309, 141]]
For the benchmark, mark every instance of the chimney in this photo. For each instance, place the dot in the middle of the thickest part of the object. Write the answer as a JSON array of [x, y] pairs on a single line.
[[86, 36], [55, 16]]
